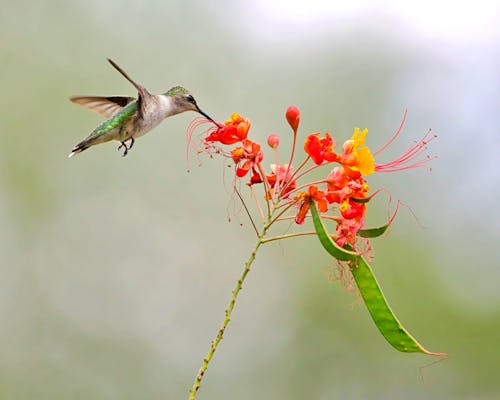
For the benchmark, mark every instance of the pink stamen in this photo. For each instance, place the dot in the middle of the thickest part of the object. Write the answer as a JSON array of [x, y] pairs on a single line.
[[294, 143], [400, 163], [200, 145], [306, 185], [195, 123], [293, 178], [396, 134], [306, 171]]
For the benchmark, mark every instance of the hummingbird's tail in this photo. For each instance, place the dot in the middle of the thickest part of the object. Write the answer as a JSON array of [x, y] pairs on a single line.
[[79, 148], [100, 135], [88, 142]]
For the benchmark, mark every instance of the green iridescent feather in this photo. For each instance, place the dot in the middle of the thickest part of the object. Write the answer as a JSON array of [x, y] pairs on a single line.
[[117, 120], [176, 90]]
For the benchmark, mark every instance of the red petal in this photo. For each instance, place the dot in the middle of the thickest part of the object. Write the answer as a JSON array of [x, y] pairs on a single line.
[[243, 170], [293, 117], [301, 214]]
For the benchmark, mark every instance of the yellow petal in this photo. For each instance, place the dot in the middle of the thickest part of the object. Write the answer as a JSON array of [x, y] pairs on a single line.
[[234, 117], [359, 137], [366, 162]]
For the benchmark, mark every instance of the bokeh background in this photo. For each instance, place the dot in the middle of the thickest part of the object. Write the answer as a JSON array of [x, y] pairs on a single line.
[[114, 272]]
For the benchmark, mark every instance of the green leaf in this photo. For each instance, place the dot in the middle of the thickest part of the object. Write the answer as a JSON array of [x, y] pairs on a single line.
[[324, 237], [373, 232], [387, 323]]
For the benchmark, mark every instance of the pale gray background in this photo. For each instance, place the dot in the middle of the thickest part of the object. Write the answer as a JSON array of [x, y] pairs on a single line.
[[114, 272]]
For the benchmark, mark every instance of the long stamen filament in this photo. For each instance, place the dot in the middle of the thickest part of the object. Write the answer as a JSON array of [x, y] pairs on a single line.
[[246, 209], [396, 134], [293, 151], [257, 202], [293, 176]]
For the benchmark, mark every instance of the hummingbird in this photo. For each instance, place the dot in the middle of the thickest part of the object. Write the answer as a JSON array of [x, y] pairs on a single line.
[[128, 117]]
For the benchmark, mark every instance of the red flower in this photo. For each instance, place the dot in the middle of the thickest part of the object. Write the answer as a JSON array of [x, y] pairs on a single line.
[[304, 202], [345, 190], [246, 157], [293, 117], [341, 185], [347, 230], [351, 209], [320, 150], [255, 178], [233, 131]]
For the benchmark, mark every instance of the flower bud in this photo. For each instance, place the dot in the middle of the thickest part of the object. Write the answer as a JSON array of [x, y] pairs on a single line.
[[273, 141], [293, 117]]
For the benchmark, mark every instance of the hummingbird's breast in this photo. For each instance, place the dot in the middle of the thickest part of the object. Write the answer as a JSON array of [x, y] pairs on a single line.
[[157, 109]]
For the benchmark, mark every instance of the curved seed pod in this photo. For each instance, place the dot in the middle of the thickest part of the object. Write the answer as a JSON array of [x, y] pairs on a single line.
[[387, 323], [324, 237]]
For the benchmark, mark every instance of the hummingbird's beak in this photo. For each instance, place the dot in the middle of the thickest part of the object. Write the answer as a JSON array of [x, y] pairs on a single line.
[[205, 115]]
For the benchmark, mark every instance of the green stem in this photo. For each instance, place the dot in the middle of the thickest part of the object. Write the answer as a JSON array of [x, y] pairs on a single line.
[[227, 319], [287, 236], [280, 213]]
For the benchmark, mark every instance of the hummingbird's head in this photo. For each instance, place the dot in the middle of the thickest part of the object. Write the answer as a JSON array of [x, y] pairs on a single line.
[[184, 101]]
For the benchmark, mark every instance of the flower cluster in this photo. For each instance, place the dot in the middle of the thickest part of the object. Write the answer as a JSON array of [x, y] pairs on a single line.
[[342, 195], [346, 186], [234, 130]]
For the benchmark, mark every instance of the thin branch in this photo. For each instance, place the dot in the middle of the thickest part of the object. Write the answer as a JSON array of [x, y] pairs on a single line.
[[288, 235], [246, 209], [280, 214], [227, 319], [257, 202], [266, 187], [292, 152], [294, 175]]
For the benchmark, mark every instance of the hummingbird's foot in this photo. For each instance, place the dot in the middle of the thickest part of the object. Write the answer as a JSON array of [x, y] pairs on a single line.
[[123, 144], [127, 148]]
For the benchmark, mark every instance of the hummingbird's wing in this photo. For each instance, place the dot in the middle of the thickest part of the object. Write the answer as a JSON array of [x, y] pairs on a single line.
[[144, 96], [106, 106]]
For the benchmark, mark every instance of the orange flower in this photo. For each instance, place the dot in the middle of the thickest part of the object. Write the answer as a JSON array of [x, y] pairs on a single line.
[[320, 150], [342, 185], [347, 230], [304, 202], [346, 191], [246, 157], [351, 209], [233, 131]]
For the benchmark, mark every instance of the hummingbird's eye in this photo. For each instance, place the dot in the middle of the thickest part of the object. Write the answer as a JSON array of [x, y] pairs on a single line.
[[190, 98]]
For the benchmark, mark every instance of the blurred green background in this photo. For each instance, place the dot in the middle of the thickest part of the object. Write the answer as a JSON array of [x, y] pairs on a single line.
[[114, 272]]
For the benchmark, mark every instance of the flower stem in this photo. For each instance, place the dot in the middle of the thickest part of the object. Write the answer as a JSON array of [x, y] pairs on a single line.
[[266, 187], [227, 319], [288, 235]]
